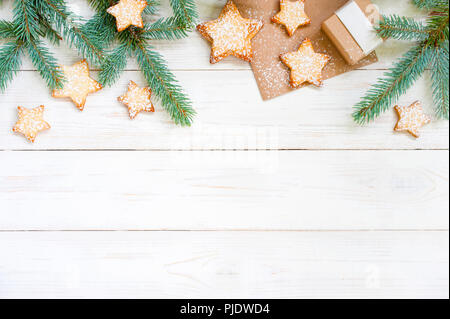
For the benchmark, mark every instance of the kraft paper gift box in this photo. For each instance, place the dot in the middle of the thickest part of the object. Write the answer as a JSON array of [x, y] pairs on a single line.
[[351, 29]]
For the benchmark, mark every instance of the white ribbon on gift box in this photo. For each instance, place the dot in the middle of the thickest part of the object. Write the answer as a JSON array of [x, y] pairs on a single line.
[[359, 27]]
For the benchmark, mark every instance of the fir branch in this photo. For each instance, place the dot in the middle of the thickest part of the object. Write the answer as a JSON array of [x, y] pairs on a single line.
[[165, 29], [185, 12], [7, 30], [401, 28], [165, 86], [395, 83], [45, 63], [65, 22], [101, 29], [152, 7], [25, 21], [431, 4], [10, 58], [114, 64], [440, 85], [48, 32]]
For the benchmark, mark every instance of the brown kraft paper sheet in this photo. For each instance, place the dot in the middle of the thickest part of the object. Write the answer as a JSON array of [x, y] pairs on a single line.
[[271, 75]]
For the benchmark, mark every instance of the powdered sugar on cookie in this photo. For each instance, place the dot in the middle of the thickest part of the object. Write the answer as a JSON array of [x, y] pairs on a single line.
[[292, 15], [305, 64], [31, 122]]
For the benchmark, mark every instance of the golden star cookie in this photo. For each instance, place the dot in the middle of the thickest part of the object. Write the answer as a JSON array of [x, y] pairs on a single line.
[[137, 100], [305, 64], [78, 84], [292, 15], [411, 118], [30, 122], [128, 12], [230, 34]]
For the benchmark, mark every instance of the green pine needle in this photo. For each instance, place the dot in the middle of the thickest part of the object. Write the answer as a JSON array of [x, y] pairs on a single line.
[[431, 50], [395, 83], [165, 86], [165, 29], [439, 76], [402, 28], [10, 57], [37, 19], [430, 4], [46, 64], [7, 30], [114, 65]]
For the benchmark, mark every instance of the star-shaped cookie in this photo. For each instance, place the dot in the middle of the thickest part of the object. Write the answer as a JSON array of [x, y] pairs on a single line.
[[305, 64], [128, 12], [78, 84], [292, 15], [30, 122], [137, 99], [230, 34], [411, 118]]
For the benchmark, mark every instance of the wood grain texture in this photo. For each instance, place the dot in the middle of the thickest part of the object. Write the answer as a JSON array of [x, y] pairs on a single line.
[[231, 115], [193, 53], [224, 190], [224, 265]]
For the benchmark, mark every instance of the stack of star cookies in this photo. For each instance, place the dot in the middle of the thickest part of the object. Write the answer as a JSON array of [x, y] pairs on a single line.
[[231, 34]]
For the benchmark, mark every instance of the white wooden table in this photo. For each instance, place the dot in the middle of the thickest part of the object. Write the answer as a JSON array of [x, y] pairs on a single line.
[[287, 198]]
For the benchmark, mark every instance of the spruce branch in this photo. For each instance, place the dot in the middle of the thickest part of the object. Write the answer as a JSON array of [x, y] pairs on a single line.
[[66, 23], [401, 28], [114, 64], [37, 19], [165, 86], [440, 83], [25, 21], [7, 30], [431, 50], [430, 4], [45, 63], [395, 83], [165, 29], [10, 57], [134, 42]]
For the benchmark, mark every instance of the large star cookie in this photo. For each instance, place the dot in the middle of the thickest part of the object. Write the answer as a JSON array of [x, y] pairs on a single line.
[[78, 84], [292, 15], [128, 12], [30, 122], [137, 100], [411, 118], [230, 34], [305, 64]]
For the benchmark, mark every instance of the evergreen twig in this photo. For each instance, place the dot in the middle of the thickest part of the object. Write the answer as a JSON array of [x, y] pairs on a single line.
[[36, 19]]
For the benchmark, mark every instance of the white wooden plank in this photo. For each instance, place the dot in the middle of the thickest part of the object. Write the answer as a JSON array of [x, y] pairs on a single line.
[[231, 115], [224, 265], [193, 52], [286, 190]]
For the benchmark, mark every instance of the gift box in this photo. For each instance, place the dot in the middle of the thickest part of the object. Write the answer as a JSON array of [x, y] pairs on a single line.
[[351, 29]]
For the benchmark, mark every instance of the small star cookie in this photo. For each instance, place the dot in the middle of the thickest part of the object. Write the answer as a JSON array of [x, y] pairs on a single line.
[[292, 15], [230, 34], [128, 12], [137, 99], [305, 64], [30, 122], [78, 84], [411, 118]]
